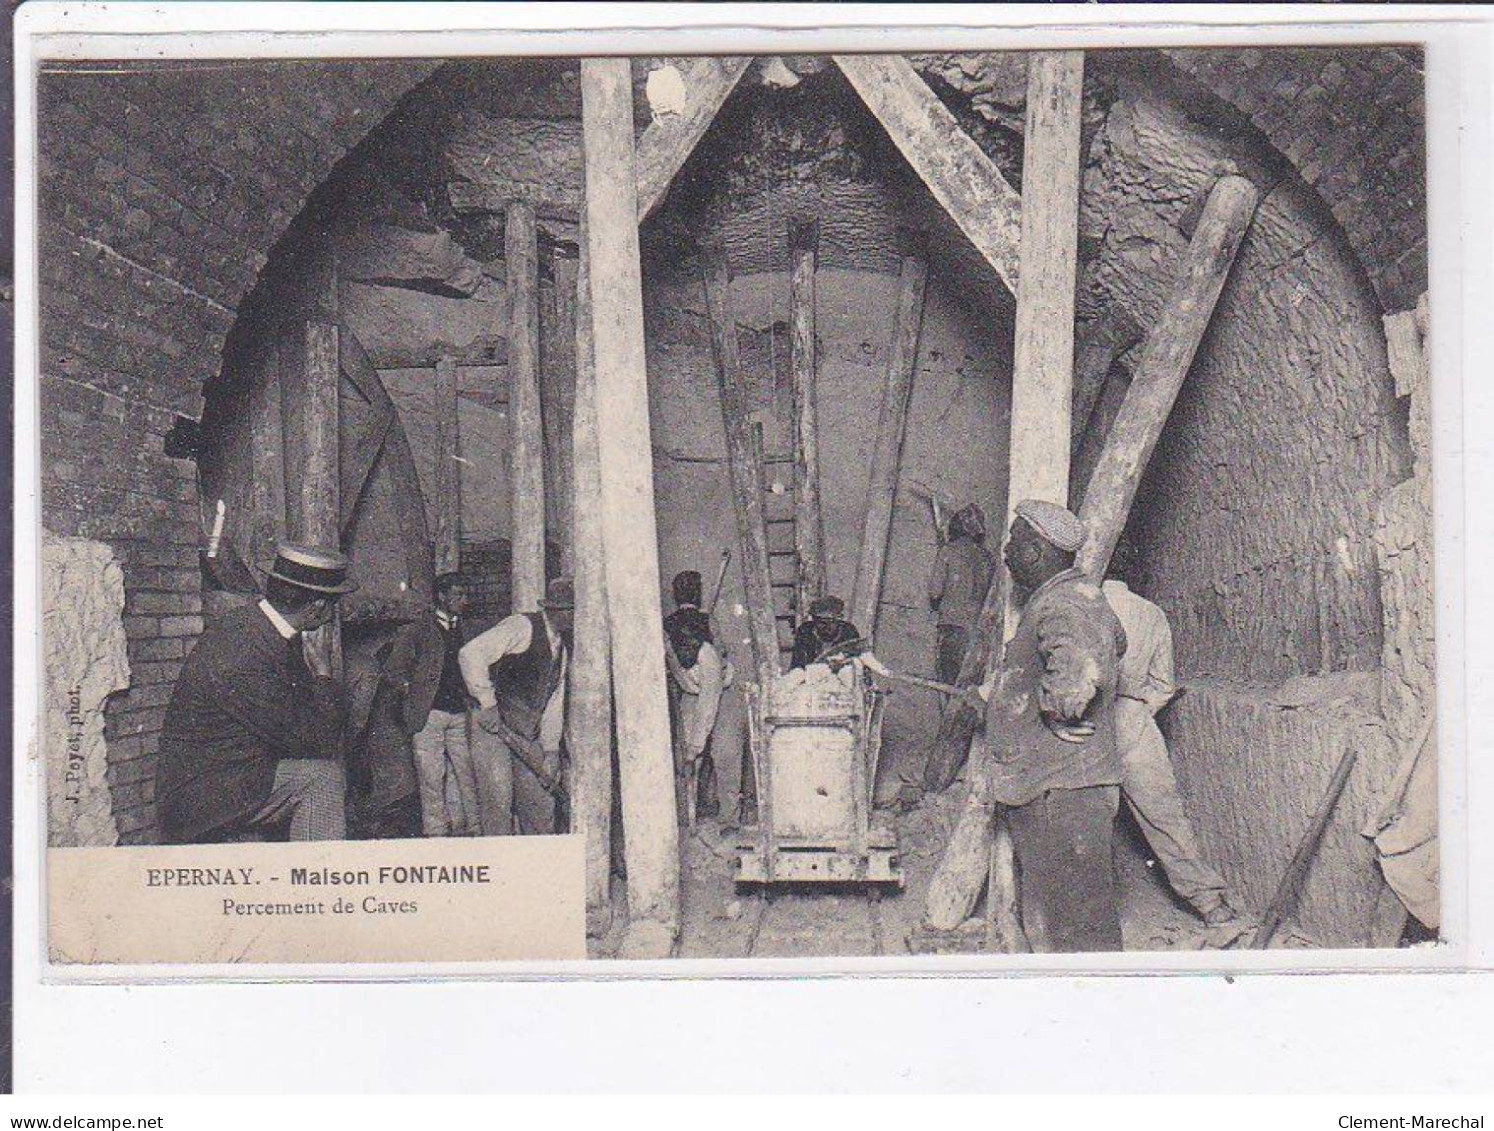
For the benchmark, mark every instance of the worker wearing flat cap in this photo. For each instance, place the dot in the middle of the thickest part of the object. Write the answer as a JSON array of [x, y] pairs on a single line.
[[1050, 730], [252, 746], [516, 671]]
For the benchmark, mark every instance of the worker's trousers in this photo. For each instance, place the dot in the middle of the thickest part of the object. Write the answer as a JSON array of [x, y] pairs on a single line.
[[1150, 788], [309, 796], [509, 797], [1062, 841], [446, 776]]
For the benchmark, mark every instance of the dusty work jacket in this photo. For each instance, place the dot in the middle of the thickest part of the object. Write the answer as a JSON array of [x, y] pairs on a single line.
[[1061, 667]]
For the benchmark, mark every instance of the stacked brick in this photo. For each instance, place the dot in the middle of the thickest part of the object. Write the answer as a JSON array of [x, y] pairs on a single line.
[[1353, 124], [162, 191]]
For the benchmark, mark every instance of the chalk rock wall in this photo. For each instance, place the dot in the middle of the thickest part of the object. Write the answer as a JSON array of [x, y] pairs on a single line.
[[1403, 541], [1406, 828], [482, 442], [1257, 515], [85, 662], [1285, 744]]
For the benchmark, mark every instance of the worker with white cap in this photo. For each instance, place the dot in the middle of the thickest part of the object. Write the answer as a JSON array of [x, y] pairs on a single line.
[[1050, 728]]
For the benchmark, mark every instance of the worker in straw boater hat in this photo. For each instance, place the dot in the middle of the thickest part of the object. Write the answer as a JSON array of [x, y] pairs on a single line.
[[1050, 730], [252, 747]]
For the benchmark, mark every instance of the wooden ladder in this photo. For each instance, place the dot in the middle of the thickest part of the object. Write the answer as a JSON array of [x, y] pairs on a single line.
[[777, 487]]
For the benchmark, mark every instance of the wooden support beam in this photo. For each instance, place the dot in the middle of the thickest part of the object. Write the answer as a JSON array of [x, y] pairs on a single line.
[[1092, 440], [809, 537], [959, 174], [629, 530], [1043, 361], [670, 139], [447, 535], [558, 403], [525, 427], [892, 424], [309, 379], [1042, 380], [1042, 398], [1098, 343], [589, 725], [745, 467], [1164, 364], [266, 460]]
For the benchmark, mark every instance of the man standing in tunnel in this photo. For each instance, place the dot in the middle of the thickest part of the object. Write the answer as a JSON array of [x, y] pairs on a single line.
[[700, 674], [425, 673], [957, 588], [516, 672], [1050, 727], [1148, 783]]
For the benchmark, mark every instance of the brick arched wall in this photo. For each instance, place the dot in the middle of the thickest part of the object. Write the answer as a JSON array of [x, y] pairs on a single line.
[[162, 190], [1354, 125]]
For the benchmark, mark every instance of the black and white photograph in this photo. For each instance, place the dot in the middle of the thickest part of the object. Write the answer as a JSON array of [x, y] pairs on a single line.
[[965, 503]]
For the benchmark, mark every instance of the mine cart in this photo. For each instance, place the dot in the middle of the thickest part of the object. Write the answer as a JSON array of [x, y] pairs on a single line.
[[815, 739]]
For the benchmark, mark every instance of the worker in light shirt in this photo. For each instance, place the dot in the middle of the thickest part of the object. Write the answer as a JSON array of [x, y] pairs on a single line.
[[1148, 784], [516, 671], [701, 673]]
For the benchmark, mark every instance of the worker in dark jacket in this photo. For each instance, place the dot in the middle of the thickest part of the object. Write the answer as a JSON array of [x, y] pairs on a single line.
[[425, 675], [1050, 727], [826, 635], [252, 746]]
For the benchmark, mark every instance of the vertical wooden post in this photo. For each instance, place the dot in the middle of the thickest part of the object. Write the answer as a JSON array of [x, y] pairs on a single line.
[[892, 424], [526, 438], [1042, 399], [589, 726], [629, 530], [1043, 363], [558, 404], [809, 546], [1164, 364], [746, 470], [267, 460], [309, 417], [448, 479]]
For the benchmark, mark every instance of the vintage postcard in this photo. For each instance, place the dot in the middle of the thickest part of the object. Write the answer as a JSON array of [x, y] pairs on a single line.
[[687, 507]]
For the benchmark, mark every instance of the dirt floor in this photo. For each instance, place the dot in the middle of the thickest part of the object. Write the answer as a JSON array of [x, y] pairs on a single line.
[[721, 922]]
